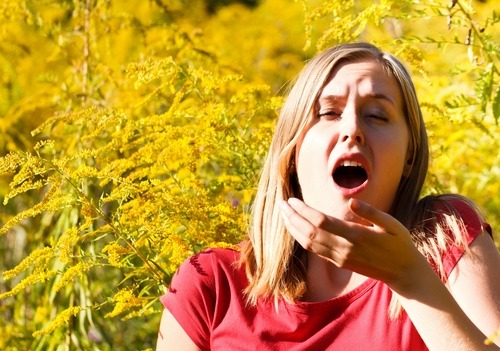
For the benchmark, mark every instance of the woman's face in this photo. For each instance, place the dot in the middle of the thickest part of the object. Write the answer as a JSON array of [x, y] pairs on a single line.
[[357, 144]]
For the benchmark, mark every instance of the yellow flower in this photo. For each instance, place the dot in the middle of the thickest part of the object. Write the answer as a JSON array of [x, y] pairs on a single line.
[[40, 275], [37, 257], [69, 276], [115, 253], [124, 300], [66, 244], [61, 319]]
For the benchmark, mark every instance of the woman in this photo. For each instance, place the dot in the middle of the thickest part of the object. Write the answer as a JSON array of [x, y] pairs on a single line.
[[342, 254]]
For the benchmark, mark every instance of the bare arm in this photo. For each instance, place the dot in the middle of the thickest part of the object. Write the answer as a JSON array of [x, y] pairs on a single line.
[[475, 284], [171, 336], [438, 317], [383, 250]]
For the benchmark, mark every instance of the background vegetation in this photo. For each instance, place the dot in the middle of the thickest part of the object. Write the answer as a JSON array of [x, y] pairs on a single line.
[[132, 134]]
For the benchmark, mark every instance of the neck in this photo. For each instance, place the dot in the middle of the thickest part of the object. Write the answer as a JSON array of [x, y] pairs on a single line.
[[326, 281]]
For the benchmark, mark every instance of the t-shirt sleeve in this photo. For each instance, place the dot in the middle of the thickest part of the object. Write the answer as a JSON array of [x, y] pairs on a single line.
[[474, 225], [191, 298]]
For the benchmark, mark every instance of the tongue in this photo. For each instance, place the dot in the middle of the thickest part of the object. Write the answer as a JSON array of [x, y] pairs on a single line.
[[349, 177]]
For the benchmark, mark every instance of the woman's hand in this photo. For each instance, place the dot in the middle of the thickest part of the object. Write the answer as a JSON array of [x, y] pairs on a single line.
[[381, 249]]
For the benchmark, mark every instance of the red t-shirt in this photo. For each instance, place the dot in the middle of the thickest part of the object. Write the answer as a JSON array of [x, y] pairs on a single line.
[[206, 298]]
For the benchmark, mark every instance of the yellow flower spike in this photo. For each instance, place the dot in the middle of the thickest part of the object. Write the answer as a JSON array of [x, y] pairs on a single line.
[[66, 244], [40, 275], [88, 213], [69, 276], [60, 320], [84, 171], [50, 205], [115, 253], [124, 300], [175, 250], [36, 258]]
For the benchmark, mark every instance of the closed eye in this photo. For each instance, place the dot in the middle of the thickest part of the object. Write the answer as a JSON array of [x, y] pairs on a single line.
[[329, 115], [378, 117]]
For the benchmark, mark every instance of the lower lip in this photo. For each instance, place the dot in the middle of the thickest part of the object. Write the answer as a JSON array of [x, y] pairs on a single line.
[[351, 191]]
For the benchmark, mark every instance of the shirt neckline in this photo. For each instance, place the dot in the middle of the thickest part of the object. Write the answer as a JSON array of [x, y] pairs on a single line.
[[338, 301]]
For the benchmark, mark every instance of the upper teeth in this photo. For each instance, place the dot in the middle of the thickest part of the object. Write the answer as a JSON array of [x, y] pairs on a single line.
[[349, 163]]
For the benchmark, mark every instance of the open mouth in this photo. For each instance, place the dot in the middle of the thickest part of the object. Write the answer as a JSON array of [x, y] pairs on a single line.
[[350, 174]]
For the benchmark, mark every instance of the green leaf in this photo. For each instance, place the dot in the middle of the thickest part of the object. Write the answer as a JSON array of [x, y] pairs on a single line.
[[496, 106]]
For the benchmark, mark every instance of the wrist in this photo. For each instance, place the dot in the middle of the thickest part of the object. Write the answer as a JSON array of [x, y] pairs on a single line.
[[417, 278]]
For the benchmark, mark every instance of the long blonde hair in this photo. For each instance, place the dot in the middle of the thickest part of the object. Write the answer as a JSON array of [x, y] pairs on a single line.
[[272, 257]]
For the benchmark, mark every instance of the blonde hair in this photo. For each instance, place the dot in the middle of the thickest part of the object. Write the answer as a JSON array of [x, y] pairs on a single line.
[[272, 257]]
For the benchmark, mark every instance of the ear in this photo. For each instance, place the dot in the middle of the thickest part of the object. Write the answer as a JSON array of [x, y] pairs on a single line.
[[409, 161], [407, 168]]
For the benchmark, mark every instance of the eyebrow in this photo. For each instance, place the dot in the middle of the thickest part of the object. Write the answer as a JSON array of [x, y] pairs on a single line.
[[382, 97], [378, 96]]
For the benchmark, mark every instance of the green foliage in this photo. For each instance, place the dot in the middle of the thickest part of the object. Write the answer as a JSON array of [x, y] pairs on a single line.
[[133, 134]]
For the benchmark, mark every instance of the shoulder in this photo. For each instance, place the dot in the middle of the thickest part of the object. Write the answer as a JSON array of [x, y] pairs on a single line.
[[203, 269], [204, 274], [201, 288], [459, 222], [204, 262], [461, 216]]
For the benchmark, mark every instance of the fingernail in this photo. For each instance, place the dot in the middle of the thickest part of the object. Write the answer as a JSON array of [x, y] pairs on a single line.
[[293, 201], [284, 207], [355, 204]]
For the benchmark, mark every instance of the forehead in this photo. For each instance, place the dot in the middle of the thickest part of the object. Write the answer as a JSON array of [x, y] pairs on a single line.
[[364, 78]]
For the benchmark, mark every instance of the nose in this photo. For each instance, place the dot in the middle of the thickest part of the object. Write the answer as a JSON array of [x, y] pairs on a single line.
[[352, 129]]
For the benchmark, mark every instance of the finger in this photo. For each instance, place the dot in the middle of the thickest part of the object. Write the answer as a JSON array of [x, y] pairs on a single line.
[[311, 236], [296, 222], [379, 218], [329, 237], [319, 219], [299, 227], [313, 216]]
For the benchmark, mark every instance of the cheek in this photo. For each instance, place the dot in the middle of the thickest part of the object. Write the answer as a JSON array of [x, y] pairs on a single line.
[[304, 159], [312, 165], [395, 154], [313, 149]]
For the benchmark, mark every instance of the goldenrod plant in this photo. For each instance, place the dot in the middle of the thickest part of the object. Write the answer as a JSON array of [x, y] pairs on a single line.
[[133, 132]]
